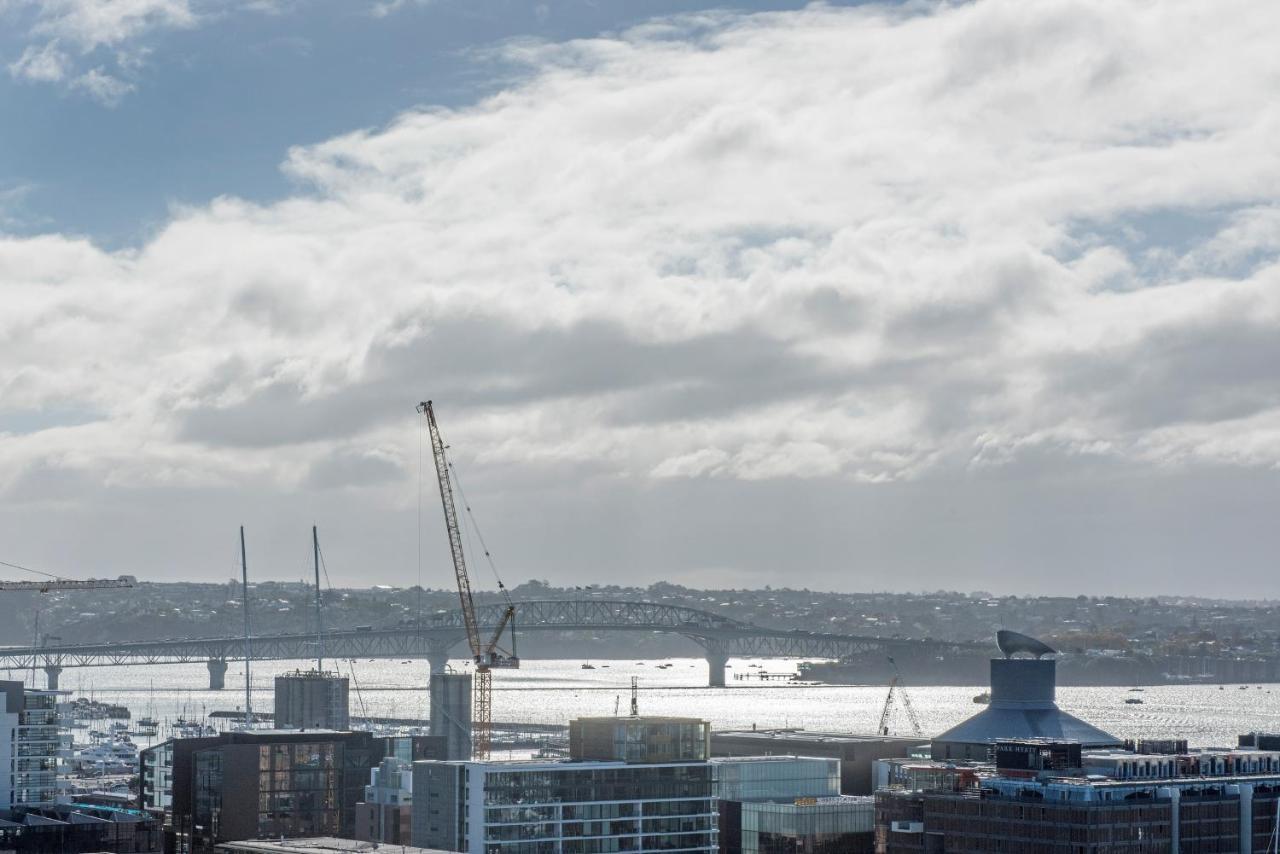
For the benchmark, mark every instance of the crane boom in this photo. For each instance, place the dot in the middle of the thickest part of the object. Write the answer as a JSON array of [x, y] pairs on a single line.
[[896, 687], [883, 727], [45, 585], [485, 656], [455, 534]]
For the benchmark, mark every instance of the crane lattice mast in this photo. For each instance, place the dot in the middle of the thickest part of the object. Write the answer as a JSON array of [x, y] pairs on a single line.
[[897, 688]]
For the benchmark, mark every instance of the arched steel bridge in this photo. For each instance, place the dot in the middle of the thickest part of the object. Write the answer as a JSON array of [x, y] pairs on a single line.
[[720, 637]]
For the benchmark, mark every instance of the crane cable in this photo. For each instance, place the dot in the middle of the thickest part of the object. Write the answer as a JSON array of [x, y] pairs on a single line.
[[33, 571], [453, 471]]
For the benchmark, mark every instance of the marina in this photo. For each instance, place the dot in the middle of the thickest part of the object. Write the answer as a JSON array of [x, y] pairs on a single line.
[[549, 692]]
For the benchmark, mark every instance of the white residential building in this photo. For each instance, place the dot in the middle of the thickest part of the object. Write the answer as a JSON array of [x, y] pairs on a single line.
[[32, 730], [565, 807]]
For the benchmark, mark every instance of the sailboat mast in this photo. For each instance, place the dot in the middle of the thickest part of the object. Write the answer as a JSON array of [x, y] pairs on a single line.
[[248, 651], [315, 548]]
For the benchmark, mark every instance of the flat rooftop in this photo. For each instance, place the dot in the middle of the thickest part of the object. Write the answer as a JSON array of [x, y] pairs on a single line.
[[565, 764], [318, 845], [771, 757], [816, 735]]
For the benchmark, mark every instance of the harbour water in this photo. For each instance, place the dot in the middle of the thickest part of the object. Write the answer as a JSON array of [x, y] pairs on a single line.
[[553, 691]]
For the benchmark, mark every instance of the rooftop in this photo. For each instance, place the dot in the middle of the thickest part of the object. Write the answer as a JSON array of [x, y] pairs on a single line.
[[1022, 707], [317, 845], [772, 757], [555, 764], [814, 735]]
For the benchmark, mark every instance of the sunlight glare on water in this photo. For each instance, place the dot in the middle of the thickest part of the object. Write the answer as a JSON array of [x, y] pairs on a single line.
[[554, 691]]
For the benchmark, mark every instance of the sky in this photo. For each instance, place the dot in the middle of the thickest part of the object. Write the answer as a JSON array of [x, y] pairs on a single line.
[[878, 296]]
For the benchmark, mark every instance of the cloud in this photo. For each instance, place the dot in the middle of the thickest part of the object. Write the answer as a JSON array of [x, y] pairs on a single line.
[[355, 468], [102, 87], [869, 246], [99, 47], [89, 24], [43, 64]]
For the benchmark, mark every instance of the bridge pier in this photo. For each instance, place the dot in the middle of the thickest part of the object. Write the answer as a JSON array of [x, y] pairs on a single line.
[[716, 660], [438, 657], [51, 673], [217, 674]]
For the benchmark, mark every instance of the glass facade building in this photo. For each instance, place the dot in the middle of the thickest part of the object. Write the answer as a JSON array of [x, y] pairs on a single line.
[[842, 824], [776, 778], [640, 739], [298, 790], [263, 784], [789, 805], [585, 807]]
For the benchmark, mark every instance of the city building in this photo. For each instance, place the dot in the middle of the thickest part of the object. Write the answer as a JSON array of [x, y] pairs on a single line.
[[1051, 796], [1022, 706], [385, 814], [34, 731], [262, 783], [313, 845], [788, 805], [855, 752], [532, 807], [72, 828], [593, 802], [640, 739], [838, 824], [451, 712], [312, 699]]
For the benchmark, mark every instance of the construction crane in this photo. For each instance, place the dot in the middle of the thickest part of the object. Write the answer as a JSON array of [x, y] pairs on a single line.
[[897, 688], [48, 584], [53, 582], [486, 656]]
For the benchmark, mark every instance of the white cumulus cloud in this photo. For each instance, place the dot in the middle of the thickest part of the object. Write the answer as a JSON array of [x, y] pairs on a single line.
[[875, 245]]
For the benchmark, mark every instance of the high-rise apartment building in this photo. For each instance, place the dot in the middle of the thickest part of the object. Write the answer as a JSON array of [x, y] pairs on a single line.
[[385, 813], [262, 783], [632, 784], [564, 807], [32, 731]]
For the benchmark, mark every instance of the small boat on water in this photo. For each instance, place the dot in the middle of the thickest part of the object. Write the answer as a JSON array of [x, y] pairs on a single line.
[[586, 665], [983, 698], [1133, 701]]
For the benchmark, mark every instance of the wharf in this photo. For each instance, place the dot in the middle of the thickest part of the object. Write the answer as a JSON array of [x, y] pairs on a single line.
[[499, 726], [764, 676]]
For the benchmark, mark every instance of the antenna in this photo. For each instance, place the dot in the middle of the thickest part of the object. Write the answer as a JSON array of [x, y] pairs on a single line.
[[635, 696], [248, 650]]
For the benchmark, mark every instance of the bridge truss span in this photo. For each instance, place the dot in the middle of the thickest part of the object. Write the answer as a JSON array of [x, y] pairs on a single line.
[[720, 637]]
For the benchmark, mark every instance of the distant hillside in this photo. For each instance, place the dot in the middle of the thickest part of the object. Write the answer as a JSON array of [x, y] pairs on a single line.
[[1166, 625]]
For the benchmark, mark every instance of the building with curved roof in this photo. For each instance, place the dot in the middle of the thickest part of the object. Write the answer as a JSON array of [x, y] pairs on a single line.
[[1022, 706]]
